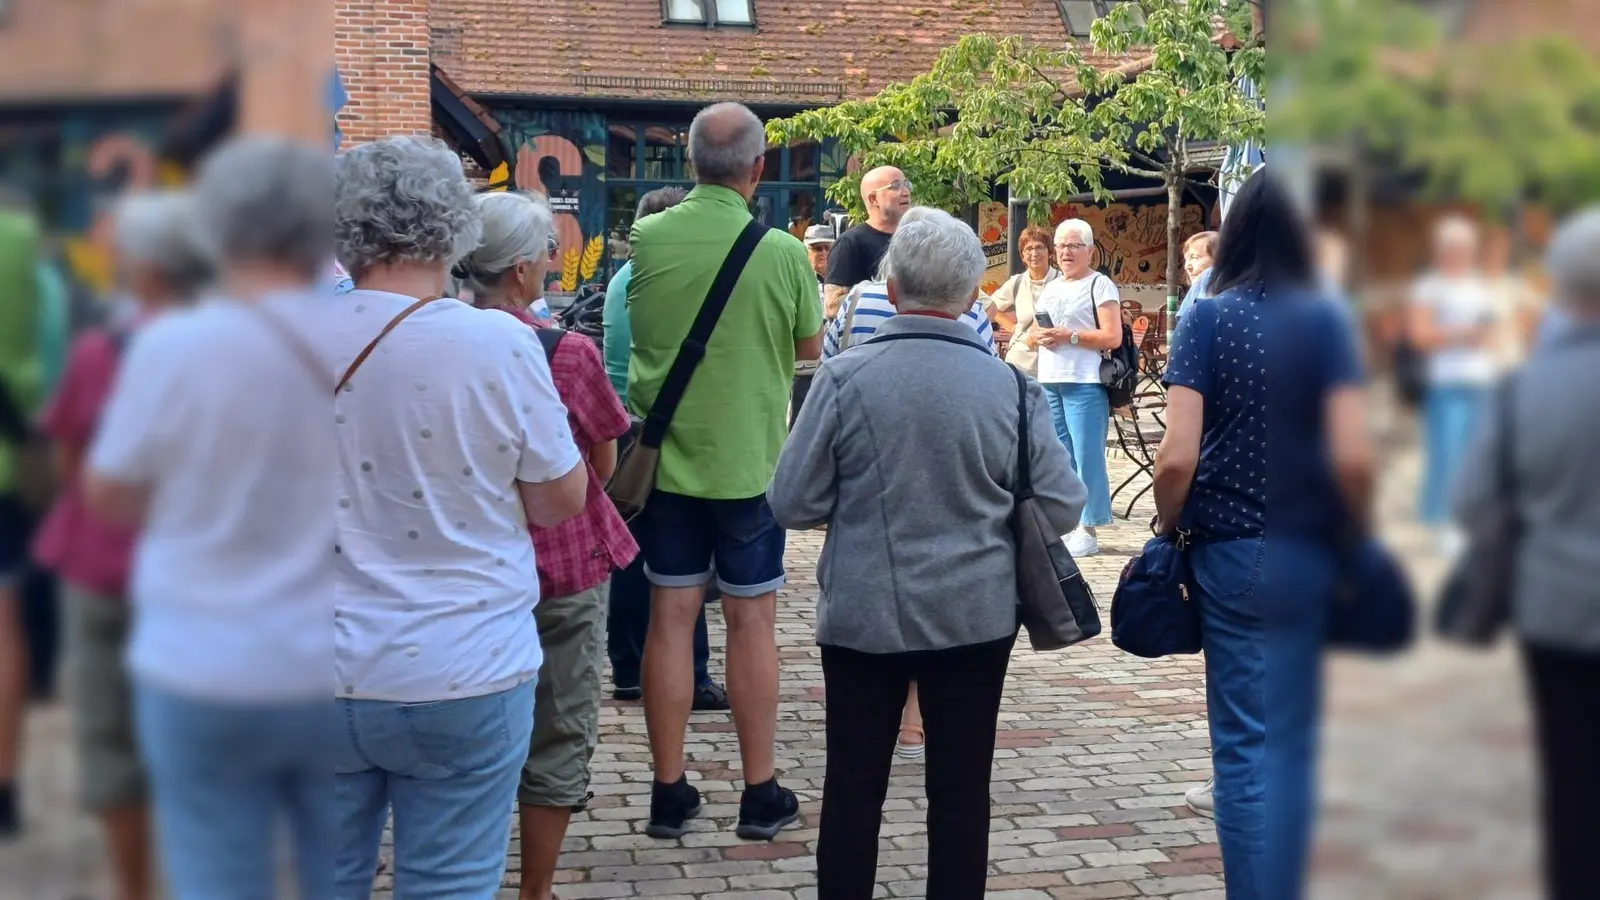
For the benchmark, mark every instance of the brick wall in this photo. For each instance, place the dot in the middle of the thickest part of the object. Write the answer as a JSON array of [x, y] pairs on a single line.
[[381, 47]]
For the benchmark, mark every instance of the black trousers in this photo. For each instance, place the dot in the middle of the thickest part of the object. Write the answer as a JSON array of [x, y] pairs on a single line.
[[1565, 687], [959, 690]]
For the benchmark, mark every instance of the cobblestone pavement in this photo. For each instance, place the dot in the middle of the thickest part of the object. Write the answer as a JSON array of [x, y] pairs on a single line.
[[1426, 779]]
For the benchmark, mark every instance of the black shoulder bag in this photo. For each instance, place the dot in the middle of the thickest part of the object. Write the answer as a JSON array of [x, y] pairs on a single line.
[[1475, 604], [635, 477]]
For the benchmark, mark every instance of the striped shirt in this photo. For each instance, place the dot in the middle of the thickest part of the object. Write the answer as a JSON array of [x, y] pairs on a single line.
[[872, 306]]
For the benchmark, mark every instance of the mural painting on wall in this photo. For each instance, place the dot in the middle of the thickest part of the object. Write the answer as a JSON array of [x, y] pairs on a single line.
[[115, 164], [1130, 239], [562, 155]]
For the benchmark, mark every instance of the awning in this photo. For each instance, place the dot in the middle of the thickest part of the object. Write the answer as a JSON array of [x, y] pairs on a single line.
[[468, 125]]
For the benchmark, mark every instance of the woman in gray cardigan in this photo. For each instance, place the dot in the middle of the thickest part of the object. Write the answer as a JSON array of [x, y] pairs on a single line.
[[1554, 422], [903, 450]]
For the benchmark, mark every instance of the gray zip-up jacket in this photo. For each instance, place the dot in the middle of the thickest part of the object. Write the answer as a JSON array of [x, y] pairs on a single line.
[[1555, 427], [907, 449]]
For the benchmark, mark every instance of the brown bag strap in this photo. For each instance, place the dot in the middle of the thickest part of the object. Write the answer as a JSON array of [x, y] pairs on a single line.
[[373, 344]]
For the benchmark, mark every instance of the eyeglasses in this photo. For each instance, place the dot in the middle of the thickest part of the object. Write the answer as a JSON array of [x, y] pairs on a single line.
[[903, 184], [1035, 248], [1072, 248]]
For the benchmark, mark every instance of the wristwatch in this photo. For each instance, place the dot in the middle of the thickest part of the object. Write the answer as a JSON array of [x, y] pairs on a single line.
[[1073, 339]]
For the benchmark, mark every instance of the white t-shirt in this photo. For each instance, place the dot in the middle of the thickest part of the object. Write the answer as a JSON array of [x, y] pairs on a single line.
[[1072, 305], [1458, 303], [435, 566], [224, 424]]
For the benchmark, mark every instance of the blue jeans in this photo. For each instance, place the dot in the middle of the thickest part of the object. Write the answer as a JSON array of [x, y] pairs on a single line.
[[691, 541], [223, 777], [629, 621], [1264, 606], [449, 771], [1449, 421], [1082, 414]]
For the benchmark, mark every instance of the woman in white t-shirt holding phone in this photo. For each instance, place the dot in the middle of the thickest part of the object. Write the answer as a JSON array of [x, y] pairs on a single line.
[[1078, 317]]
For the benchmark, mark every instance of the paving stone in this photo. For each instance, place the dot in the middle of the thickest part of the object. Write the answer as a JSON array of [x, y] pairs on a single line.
[[1426, 790]]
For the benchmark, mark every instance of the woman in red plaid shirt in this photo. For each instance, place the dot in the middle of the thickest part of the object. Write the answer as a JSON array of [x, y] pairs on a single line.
[[576, 558]]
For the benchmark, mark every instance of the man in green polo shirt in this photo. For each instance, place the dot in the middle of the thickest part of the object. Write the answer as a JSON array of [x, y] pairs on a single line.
[[708, 516]]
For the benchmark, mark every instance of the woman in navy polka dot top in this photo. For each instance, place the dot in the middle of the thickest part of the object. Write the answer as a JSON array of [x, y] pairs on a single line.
[[1267, 465]]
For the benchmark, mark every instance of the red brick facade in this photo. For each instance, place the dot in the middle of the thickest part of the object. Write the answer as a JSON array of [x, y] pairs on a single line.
[[381, 47]]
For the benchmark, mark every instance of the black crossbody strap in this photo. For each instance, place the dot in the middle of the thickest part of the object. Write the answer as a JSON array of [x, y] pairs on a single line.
[[1024, 439], [550, 340], [694, 345]]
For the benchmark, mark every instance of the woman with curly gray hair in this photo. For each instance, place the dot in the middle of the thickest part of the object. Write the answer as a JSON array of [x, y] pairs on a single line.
[[227, 483], [452, 442]]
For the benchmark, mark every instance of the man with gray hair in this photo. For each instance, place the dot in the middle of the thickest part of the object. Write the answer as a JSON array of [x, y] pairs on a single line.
[[708, 516]]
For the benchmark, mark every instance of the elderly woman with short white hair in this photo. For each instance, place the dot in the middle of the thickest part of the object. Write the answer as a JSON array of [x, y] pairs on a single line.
[[160, 265], [1084, 314], [918, 571], [215, 444], [451, 442]]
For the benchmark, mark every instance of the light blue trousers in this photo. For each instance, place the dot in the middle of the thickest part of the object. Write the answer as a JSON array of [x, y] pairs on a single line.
[[1082, 415]]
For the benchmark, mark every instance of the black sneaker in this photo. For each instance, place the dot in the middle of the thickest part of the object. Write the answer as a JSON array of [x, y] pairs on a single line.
[[765, 809], [711, 697], [627, 694], [671, 808]]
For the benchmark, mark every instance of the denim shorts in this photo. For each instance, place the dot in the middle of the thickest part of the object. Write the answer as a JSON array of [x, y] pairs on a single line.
[[686, 541]]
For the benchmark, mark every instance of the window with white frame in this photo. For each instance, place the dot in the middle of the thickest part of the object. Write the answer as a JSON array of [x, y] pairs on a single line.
[[1080, 14], [708, 13]]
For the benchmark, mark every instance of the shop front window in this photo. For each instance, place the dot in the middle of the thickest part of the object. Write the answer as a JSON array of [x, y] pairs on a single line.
[[621, 152], [662, 155]]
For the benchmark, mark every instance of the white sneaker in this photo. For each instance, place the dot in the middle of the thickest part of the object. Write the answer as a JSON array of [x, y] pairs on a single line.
[[1081, 543], [1200, 799]]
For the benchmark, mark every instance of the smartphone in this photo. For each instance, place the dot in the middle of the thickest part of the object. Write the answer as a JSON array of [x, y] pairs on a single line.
[[1042, 319]]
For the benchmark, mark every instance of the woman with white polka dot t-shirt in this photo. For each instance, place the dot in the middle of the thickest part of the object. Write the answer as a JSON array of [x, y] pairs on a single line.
[[451, 441]]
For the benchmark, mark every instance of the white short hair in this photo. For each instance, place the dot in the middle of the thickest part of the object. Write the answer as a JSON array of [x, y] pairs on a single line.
[[156, 229], [516, 227], [724, 141], [1083, 230], [1573, 261], [1455, 230], [935, 262]]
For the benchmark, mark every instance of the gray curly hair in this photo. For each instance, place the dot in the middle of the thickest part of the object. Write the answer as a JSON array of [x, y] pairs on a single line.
[[402, 199], [265, 199]]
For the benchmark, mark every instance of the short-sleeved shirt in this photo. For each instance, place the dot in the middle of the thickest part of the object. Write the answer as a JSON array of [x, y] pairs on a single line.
[[618, 336], [1264, 441], [872, 309], [436, 569], [726, 436], [582, 552], [1073, 304], [1459, 303], [231, 585], [855, 257], [79, 546]]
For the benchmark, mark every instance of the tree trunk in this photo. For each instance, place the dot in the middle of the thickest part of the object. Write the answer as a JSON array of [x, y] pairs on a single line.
[[1175, 186]]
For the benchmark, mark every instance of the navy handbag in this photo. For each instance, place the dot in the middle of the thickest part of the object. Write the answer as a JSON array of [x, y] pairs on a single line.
[[1152, 614], [1374, 610]]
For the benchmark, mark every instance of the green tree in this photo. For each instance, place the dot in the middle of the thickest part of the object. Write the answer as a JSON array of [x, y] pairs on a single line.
[[1492, 125], [1049, 120]]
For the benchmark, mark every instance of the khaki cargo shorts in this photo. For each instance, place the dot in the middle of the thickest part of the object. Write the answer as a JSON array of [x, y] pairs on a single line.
[[110, 771], [566, 706]]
